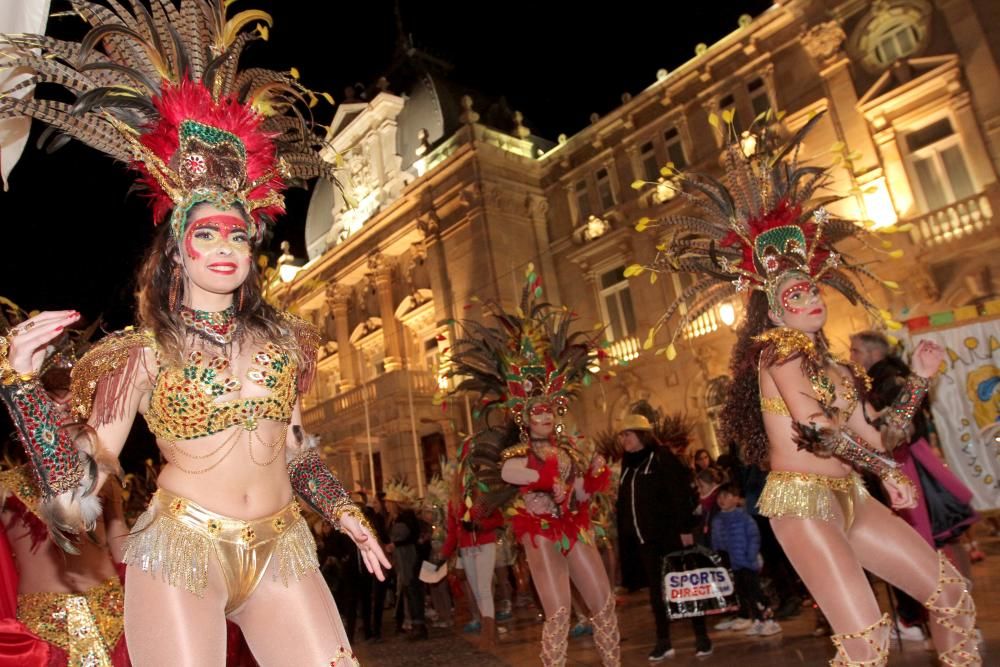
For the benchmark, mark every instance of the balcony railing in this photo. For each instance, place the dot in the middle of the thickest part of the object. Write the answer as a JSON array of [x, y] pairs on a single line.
[[705, 323], [625, 349], [954, 221], [386, 386]]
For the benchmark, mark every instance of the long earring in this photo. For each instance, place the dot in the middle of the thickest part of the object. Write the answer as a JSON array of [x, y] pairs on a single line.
[[175, 288], [241, 297]]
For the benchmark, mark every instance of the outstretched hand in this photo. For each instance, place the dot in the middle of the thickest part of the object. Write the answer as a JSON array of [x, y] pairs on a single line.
[[371, 552], [28, 340]]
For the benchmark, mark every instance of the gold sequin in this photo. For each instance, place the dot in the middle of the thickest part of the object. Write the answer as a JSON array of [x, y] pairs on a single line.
[[19, 482], [774, 405], [810, 496], [179, 546], [786, 343], [87, 626], [184, 404], [516, 451]]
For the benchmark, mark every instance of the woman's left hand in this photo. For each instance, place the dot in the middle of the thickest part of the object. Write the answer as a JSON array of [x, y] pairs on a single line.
[[927, 358], [597, 464], [372, 554], [902, 493]]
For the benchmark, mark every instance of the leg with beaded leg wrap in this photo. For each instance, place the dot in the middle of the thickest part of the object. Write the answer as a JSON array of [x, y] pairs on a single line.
[[954, 618], [606, 635], [875, 636], [555, 638]]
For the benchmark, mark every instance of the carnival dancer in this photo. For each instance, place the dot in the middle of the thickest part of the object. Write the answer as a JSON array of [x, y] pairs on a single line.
[[527, 368], [795, 408], [215, 370]]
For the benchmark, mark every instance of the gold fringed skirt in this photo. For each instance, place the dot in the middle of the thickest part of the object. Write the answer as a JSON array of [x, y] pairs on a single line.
[[805, 495], [178, 537]]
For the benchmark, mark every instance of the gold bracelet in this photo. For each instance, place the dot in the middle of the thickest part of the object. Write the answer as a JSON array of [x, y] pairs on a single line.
[[8, 375], [355, 511], [896, 475]]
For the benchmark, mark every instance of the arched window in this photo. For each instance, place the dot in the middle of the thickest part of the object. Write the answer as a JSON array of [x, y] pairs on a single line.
[[892, 29]]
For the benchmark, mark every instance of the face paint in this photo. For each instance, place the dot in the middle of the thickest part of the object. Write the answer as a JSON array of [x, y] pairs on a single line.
[[798, 296], [541, 409], [216, 232]]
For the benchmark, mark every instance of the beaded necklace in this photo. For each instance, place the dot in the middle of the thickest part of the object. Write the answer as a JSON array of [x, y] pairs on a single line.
[[217, 327]]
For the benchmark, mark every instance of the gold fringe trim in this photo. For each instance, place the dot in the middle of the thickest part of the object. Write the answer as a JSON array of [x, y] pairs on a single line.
[[805, 495], [296, 552], [179, 553], [102, 377]]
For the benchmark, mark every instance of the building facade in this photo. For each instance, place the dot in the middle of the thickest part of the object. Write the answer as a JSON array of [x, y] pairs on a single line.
[[440, 210]]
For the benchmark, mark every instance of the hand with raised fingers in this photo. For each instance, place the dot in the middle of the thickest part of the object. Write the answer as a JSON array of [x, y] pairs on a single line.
[[27, 342]]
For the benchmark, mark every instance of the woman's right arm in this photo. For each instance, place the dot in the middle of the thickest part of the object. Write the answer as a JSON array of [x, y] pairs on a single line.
[[516, 471], [70, 464]]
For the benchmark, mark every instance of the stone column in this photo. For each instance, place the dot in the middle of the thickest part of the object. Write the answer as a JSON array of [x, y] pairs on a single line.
[[538, 209], [897, 181], [381, 270], [823, 44], [437, 266], [337, 298]]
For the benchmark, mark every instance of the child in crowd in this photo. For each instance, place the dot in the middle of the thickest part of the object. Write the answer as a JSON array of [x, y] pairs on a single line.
[[735, 532]]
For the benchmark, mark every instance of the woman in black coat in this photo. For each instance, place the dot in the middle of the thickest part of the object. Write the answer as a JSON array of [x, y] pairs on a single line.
[[656, 501]]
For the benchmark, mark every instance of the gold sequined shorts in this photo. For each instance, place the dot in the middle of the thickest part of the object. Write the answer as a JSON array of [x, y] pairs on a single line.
[[178, 537], [809, 496], [86, 626]]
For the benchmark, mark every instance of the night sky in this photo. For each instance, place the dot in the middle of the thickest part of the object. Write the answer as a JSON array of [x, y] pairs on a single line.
[[73, 235]]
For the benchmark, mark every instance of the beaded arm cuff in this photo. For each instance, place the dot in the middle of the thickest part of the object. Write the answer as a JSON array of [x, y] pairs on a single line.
[[845, 444], [895, 420], [55, 460], [323, 492]]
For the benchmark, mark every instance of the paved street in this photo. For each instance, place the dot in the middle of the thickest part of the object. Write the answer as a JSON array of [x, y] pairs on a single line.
[[795, 646]]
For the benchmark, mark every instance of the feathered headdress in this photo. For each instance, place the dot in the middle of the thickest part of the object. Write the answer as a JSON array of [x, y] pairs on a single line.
[[161, 88], [530, 355], [752, 230]]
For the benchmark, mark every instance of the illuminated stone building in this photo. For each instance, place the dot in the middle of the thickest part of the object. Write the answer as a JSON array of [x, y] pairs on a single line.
[[449, 208]]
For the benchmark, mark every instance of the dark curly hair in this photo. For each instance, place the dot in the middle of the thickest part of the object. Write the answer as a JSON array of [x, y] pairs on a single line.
[[741, 418]]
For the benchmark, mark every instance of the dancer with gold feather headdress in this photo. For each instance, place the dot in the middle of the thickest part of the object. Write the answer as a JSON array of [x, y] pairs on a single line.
[[215, 371], [796, 409]]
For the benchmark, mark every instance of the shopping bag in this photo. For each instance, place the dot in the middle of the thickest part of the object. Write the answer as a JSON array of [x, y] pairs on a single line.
[[697, 583]]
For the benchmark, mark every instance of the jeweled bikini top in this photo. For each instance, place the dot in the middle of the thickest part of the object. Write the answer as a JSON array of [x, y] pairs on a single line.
[[184, 404]]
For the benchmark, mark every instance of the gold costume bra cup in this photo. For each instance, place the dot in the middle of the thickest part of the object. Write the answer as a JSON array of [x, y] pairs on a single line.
[[183, 403]]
